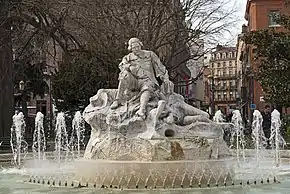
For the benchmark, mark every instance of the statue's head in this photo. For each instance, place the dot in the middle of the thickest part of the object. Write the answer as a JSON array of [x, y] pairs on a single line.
[[134, 45]]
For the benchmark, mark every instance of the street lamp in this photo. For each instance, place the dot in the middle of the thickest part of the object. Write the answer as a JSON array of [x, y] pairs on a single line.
[[21, 85], [23, 99]]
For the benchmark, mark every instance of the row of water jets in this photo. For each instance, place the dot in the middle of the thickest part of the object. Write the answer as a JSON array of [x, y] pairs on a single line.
[[237, 137], [65, 147]]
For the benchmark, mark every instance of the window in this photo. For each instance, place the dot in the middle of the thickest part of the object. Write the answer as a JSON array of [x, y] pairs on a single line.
[[218, 56], [219, 84], [224, 64], [230, 72], [231, 95], [230, 63], [225, 95], [224, 72], [218, 65], [273, 14], [225, 84], [230, 55], [224, 55]]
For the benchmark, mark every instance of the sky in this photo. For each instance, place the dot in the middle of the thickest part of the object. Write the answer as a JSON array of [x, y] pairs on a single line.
[[241, 7], [241, 4]]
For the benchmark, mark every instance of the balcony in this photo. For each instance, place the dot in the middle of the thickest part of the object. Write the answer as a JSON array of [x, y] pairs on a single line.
[[220, 88], [227, 76], [233, 87], [225, 88], [225, 100]]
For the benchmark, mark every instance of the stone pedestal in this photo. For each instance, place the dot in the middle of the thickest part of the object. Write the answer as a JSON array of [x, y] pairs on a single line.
[[157, 151]]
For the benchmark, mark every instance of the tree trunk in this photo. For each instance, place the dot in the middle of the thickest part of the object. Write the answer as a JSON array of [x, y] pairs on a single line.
[[6, 80]]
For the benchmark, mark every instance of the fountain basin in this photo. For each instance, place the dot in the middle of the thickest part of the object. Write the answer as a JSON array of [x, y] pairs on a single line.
[[158, 174]]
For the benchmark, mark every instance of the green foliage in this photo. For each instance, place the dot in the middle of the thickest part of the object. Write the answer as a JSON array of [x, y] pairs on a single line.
[[79, 79], [272, 53], [33, 77], [285, 128], [28, 49]]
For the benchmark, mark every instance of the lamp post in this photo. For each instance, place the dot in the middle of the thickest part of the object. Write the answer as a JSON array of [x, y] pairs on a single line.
[[212, 89], [21, 85], [251, 88], [22, 89], [50, 107]]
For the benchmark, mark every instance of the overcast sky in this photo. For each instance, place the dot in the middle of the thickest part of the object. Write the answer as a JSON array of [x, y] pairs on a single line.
[[241, 7]]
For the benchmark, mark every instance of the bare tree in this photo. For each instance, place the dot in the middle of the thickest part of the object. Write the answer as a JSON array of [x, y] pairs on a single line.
[[166, 27], [170, 28]]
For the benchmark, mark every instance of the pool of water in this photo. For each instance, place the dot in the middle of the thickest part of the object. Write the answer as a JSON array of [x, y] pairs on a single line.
[[16, 181]]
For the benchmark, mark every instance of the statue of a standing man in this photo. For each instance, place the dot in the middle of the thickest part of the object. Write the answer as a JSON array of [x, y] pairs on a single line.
[[139, 70]]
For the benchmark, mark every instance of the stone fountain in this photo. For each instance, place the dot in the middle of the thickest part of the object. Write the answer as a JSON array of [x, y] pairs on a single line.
[[144, 134]]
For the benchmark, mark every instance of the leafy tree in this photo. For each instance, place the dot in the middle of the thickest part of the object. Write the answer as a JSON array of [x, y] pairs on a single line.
[[77, 80], [29, 66], [272, 53]]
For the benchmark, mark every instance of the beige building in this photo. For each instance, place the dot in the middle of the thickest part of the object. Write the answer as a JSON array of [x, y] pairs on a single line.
[[224, 80]]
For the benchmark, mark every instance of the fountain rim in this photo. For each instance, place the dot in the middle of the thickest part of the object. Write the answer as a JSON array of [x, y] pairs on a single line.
[[104, 161]]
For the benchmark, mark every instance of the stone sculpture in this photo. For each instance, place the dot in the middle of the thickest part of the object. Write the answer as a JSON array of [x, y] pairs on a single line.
[[145, 135], [145, 115], [138, 70]]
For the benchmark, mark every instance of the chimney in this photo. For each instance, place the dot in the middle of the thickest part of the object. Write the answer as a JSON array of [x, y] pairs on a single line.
[[219, 47], [244, 28]]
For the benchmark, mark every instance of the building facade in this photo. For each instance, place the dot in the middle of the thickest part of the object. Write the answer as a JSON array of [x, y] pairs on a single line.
[[259, 15], [223, 78]]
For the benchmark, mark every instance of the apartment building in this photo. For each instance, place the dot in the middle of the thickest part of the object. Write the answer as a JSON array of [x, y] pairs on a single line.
[[223, 79]]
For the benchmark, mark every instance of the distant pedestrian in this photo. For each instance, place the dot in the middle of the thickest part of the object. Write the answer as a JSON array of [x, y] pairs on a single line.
[[266, 114], [229, 116]]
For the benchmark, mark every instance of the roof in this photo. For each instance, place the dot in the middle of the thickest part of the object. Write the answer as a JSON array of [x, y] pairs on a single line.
[[220, 49]]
